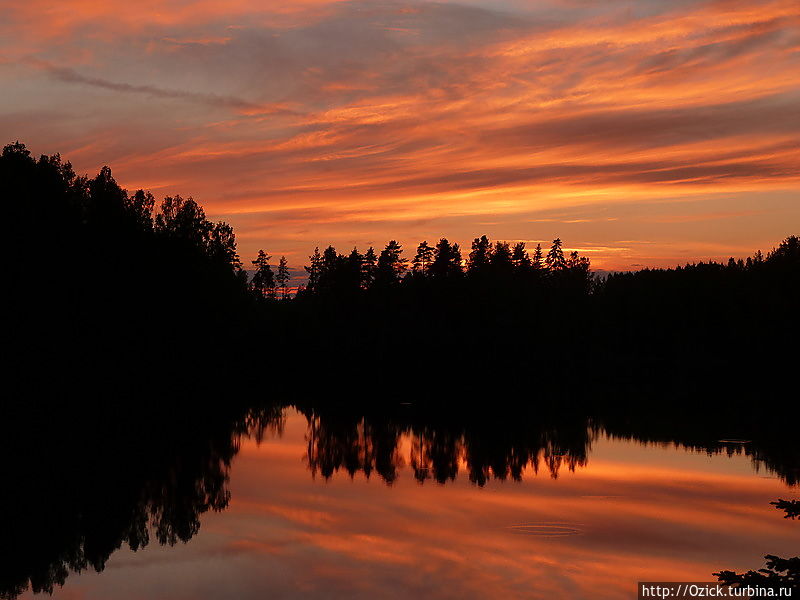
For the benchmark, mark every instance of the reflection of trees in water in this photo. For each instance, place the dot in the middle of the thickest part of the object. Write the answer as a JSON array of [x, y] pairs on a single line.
[[437, 451], [435, 454], [76, 523], [353, 445], [779, 572], [438, 444], [773, 456], [767, 437], [790, 507], [131, 473], [82, 492], [261, 420]]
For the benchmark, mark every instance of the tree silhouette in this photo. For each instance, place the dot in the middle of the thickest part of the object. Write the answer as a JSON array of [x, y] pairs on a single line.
[[127, 284], [181, 219], [446, 260], [368, 268], [787, 252], [501, 259], [391, 265], [353, 269], [314, 270], [538, 261], [222, 246], [140, 206], [283, 277], [423, 259], [480, 256], [263, 279], [555, 257], [520, 259], [330, 270], [578, 268]]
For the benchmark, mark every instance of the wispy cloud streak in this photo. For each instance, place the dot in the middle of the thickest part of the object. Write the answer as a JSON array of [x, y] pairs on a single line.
[[69, 75], [369, 120]]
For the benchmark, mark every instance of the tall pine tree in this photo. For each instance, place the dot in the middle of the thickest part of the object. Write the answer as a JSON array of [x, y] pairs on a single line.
[[423, 259], [555, 257], [391, 265], [263, 283], [283, 277], [314, 270]]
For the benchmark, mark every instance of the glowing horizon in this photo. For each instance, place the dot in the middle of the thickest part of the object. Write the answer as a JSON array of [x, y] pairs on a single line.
[[641, 133]]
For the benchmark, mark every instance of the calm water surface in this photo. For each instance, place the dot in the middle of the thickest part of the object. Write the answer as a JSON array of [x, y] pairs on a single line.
[[585, 527]]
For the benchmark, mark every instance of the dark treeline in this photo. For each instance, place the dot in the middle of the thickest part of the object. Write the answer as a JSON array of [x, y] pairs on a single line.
[[333, 275], [107, 283], [105, 288], [441, 316], [501, 311], [545, 318]]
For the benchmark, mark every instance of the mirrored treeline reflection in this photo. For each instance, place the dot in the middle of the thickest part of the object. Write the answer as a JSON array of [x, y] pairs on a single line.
[[90, 481], [779, 573], [443, 443], [79, 483]]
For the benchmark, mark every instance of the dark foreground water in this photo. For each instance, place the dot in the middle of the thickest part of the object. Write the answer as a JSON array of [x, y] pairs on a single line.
[[332, 510]]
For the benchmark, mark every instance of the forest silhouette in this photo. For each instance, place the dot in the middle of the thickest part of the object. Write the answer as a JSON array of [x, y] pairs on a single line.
[[137, 342], [120, 290]]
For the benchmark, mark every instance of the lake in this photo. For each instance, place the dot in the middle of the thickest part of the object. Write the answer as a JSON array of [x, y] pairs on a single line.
[[323, 506]]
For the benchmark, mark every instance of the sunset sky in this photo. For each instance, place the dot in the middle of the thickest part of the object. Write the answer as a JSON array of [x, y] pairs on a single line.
[[642, 132]]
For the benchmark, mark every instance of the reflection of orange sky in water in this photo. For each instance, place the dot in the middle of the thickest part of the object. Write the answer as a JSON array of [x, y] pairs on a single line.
[[641, 133], [654, 514]]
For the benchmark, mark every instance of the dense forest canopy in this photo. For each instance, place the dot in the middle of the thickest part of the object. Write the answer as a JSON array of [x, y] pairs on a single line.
[[121, 279]]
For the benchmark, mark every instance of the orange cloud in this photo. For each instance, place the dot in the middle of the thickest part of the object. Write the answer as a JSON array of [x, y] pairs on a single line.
[[352, 122]]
